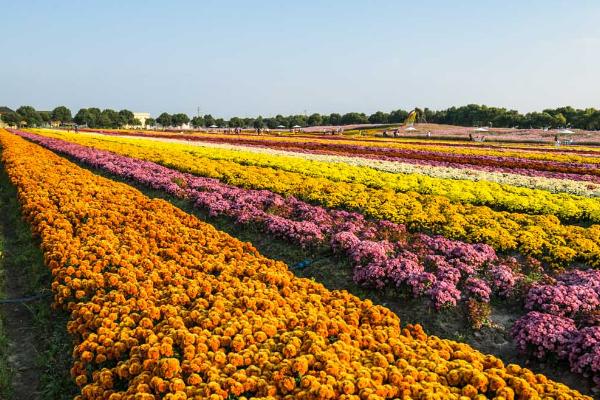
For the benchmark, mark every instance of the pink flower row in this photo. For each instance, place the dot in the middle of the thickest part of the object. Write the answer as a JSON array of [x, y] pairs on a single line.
[[564, 321]]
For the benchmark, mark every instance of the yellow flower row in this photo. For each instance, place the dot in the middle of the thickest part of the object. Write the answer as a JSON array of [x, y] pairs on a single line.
[[534, 152], [565, 206], [541, 236], [165, 306]]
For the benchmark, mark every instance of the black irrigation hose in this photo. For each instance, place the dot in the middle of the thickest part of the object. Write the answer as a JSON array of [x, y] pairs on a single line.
[[25, 299]]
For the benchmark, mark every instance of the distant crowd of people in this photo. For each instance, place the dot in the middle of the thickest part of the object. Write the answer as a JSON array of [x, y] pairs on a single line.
[[394, 133]]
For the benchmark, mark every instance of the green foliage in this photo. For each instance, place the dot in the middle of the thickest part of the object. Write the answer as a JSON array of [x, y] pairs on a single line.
[[125, 118], [209, 120], [45, 115], [335, 119], [179, 119], [315, 120], [236, 122], [30, 116], [354, 118], [94, 118], [12, 118], [61, 114], [379, 118], [469, 115], [197, 122], [165, 119], [259, 123]]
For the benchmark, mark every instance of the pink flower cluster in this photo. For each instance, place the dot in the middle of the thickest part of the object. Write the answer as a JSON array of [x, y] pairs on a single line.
[[584, 352], [478, 289], [543, 334], [562, 300], [502, 277], [568, 325]]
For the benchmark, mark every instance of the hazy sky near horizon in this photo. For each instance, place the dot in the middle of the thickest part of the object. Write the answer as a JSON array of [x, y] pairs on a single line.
[[280, 57]]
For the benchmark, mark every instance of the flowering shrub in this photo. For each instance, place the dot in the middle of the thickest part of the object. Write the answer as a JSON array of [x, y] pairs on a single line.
[[569, 327], [553, 182], [589, 278], [584, 352], [376, 259], [541, 236], [542, 333], [503, 278], [478, 289], [444, 294], [562, 300], [165, 306], [478, 313], [357, 145], [483, 192]]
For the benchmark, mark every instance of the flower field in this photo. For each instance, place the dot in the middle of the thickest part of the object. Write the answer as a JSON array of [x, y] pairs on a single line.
[[163, 305], [542, 236]]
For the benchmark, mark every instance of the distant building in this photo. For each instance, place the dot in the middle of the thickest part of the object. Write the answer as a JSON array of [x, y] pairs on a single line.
[[142, 117]]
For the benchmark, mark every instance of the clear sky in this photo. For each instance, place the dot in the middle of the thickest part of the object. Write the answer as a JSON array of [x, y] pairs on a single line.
[[268, 57]]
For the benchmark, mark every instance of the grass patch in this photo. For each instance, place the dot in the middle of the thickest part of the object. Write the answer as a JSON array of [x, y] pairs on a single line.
[[52, 345], [5, 372]]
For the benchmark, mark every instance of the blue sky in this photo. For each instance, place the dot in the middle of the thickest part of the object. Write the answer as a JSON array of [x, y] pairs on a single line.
[[268, 57]]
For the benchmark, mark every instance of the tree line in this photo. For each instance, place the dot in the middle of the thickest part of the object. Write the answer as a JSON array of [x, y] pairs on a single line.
[[469, 115]]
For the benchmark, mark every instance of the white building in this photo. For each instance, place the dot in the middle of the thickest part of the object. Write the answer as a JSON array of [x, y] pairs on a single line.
[[142, 117]]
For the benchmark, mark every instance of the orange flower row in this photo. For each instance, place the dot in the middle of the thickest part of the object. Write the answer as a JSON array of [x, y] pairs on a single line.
[[165, 306]]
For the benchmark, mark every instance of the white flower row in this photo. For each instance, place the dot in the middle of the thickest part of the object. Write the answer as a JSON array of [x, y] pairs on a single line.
[[554, 185]]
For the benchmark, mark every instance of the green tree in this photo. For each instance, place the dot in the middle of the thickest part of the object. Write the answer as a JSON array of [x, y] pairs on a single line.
[[299, 120], [62, 114], [109, 119], [29, 116], [271, 123], [379, 118], [197, 122], [12, 118], [164, 120], [315, 119], [150, 122], [235, 122], [259, 123], [397, 116], [209, 120], [281, 120], [335, 119], [354, 118], [125, 118], [179, 119], [88, 116], [46, 116], [560, 120]]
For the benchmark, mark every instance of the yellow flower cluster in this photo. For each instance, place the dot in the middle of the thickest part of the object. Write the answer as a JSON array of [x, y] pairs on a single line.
[[165, 306], [541, 236], [522, 150], [496, 195]]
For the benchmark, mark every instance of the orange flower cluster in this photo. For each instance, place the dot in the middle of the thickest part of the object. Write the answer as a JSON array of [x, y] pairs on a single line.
[[165, 306]]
